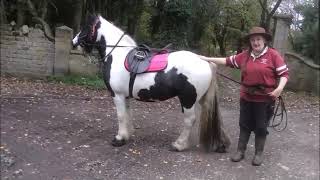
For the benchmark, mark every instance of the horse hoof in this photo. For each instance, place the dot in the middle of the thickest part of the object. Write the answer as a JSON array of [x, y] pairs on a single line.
[[221, 149], [176, 147], [118, 143], [173, 149]]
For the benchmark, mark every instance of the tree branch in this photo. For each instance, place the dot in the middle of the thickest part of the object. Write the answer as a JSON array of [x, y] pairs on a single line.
[[275, 8], [263, 7], [46, 28], [44, 9], [32, 9]]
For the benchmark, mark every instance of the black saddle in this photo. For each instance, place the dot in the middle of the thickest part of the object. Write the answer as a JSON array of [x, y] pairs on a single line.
[[138, 59]]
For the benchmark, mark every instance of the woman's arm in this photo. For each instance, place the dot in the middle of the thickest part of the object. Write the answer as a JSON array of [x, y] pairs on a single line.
[[216, 60], [282, 83]]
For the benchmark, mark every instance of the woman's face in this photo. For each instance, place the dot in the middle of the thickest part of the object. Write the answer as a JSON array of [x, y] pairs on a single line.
[[257, 43]]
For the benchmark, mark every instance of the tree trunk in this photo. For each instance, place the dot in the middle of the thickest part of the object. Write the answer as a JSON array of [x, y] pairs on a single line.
[[36, 18], [46, 28], [20, 13], [157, 16], [77, 5], [266, 16], [134, 14], [43, 9], [3, 17], [240, 39], [264, 12]]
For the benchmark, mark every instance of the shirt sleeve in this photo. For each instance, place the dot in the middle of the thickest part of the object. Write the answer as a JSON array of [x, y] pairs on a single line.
[[280, 66], [235, 61]]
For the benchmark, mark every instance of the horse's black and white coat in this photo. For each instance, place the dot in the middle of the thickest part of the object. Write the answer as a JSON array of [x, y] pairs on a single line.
[[186, 76]]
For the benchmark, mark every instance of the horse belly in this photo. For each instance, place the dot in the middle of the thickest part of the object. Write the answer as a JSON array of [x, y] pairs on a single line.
[[153, 86], [197, 71]]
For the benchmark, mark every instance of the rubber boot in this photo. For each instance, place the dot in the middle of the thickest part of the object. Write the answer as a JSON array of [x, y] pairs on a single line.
[[242, 145], [259, 146]]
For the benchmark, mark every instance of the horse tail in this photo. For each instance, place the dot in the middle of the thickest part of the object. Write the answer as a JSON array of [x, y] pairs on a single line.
[[212, 134]]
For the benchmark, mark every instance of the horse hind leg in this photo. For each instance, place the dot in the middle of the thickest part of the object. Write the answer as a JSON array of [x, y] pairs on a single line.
[[125, 127], [182, 142]]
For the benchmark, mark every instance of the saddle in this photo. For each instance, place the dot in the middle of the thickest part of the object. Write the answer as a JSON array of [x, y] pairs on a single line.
[[143, 59]]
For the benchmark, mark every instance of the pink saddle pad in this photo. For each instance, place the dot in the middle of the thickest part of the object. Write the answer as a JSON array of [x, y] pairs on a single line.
[[158, 62]]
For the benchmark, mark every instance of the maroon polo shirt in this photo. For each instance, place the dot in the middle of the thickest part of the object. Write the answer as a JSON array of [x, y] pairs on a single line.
[[264, 69]]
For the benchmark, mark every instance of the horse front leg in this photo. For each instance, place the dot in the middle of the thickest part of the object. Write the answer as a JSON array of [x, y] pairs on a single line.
[[125, 127], [182, 142]]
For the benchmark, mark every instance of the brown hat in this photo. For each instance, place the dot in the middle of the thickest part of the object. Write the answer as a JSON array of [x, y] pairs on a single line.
[[258, 31]]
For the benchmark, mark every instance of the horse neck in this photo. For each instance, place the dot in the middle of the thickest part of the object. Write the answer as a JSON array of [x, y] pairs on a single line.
[[112, 35]]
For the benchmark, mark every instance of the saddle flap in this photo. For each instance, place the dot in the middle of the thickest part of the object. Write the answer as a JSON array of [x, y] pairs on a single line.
[[142, 59], [137, 60]]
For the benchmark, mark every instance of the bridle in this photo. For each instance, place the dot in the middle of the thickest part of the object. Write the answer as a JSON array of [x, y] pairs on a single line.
[[82, 43]]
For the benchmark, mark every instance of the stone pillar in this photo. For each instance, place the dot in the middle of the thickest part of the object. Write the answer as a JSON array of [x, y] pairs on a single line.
[[282, 27], [62, 50]]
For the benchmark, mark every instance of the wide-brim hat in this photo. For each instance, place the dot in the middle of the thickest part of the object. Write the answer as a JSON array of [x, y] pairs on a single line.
[[258, 31]]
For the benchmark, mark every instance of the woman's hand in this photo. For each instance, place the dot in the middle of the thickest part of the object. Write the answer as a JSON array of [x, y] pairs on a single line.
[[215, 60], [276, 93], [203, 57]]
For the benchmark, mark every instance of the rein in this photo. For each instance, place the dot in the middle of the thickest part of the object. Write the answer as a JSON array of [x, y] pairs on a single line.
[[283, 111], [113, 46], [106, 56]]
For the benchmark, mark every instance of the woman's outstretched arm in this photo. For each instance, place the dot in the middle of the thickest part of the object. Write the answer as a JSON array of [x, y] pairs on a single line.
[[217, 60]]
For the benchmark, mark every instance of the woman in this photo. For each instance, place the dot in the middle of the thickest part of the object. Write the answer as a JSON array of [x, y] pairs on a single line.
[[264, 74]]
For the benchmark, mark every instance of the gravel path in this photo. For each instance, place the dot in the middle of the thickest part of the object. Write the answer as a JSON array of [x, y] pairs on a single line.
[[56, 131]]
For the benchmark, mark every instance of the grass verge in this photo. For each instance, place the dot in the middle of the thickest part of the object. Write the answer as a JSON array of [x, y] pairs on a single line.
[[92, 82]]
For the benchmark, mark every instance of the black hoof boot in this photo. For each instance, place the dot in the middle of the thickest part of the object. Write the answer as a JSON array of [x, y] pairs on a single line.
[[118, 143]]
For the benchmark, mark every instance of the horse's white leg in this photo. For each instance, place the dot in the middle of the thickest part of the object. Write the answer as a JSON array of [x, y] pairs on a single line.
[[182, 142], [125, 127]]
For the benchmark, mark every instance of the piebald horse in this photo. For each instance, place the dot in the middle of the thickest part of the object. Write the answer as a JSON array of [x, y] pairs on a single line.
[[185, 76]]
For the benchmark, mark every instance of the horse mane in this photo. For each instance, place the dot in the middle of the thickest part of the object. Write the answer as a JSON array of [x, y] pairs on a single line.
[[112, 29]]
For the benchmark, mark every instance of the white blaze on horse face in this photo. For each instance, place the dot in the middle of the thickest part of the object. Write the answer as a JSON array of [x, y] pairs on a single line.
[[75, 39]]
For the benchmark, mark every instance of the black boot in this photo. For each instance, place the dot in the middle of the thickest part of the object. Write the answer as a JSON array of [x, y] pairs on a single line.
[[242, 145], [259, 146]]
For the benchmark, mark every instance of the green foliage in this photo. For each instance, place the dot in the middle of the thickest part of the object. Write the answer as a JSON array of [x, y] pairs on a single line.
[[143, 33], [306, 41], [176, 21], [210, 26], [92, 82], [226, 23]]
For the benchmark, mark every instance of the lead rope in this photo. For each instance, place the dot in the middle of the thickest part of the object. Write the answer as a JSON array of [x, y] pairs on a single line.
[[283, 111]]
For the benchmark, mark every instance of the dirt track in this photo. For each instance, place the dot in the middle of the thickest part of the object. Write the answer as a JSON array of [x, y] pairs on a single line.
[[56, 131]]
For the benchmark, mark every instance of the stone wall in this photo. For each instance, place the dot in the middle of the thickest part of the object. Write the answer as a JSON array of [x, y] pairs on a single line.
[[81, 65], [29, 54], [304, 74]]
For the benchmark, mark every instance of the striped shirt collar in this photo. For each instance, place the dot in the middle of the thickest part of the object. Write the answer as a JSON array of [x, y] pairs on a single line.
[[261, 54]]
